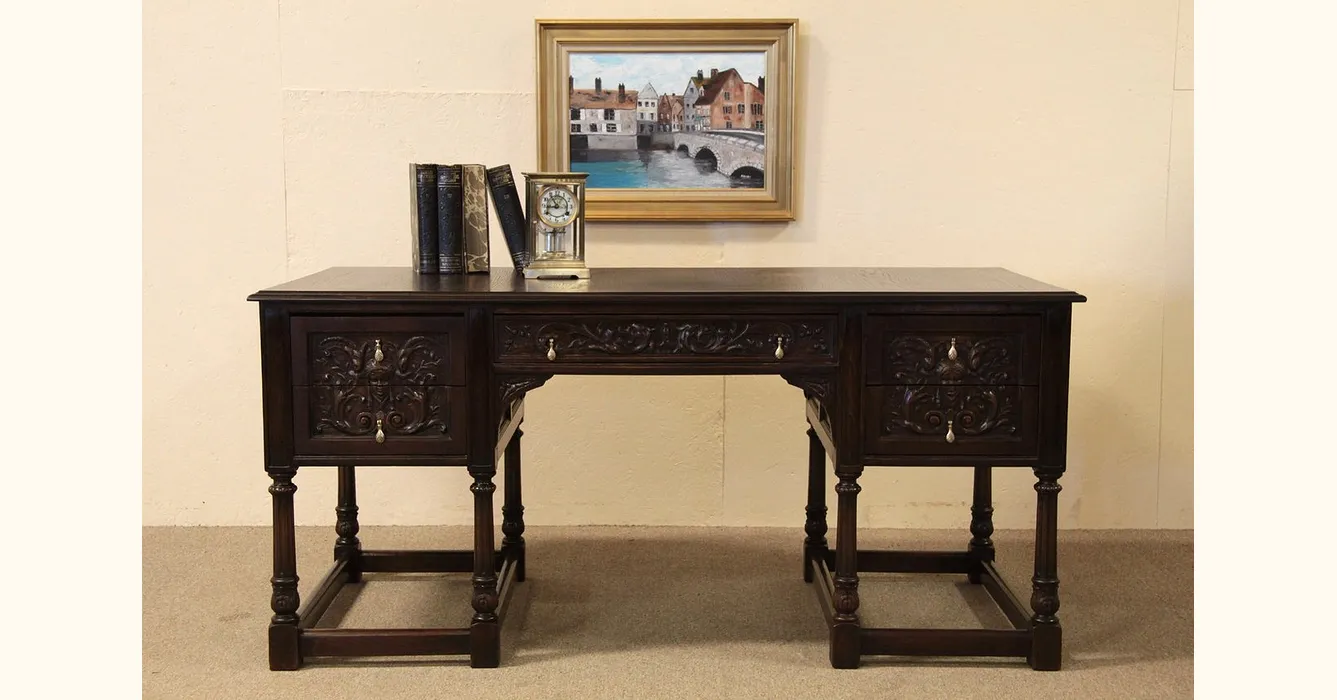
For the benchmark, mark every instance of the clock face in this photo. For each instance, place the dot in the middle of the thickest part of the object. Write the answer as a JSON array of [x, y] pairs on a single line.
[[557, 206]]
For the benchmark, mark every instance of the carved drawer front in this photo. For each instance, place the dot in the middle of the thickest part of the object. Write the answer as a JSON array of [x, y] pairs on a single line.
[[929, 419], [573, 339], [379, 420], [965, 350], [378, 350]]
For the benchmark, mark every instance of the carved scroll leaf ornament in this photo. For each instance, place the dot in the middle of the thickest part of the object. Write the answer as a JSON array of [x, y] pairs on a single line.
[[913, 359], [973, 410], [402, 410], [347, 360]]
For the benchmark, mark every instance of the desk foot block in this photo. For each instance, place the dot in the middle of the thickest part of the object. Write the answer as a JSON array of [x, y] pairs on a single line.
[[323, 642], [1019, 642]]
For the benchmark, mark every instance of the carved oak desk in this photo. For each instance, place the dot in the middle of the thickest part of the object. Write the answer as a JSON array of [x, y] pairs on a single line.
[[898, 367]]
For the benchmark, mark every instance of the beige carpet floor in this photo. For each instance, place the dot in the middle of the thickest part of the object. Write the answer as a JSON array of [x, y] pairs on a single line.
[[621, 612]]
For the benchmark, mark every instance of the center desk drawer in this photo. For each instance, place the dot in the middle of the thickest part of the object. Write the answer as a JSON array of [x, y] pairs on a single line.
[[378, 350], [966, 350], [574, 339]]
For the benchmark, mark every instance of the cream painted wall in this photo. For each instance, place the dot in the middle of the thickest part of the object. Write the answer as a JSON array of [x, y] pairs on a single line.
[[1051, 137]]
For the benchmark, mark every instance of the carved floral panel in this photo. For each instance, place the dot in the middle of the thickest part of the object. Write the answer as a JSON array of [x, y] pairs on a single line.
[[403, 410], [946, 359], [351, 359], [974, 411]]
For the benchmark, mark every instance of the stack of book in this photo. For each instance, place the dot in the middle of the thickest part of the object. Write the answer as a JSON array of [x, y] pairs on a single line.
[[450, 223]]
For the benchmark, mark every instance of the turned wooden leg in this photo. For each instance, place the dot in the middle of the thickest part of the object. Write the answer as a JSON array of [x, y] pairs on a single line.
[[284, 649], [845, 626], [981, 523], [1047, 644], [815, 527], [485, 630], [513, 509], [348, 546]]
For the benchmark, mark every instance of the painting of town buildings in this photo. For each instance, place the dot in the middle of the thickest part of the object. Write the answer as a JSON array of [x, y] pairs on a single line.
[[669, 120]]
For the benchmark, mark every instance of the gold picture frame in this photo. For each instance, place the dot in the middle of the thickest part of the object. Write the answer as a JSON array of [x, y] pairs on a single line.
[[763, 142]]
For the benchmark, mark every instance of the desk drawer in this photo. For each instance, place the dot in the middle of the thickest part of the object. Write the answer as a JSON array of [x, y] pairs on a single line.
[[948, 349], [985, 420], [413, 350], [413, 420], [575, 339]]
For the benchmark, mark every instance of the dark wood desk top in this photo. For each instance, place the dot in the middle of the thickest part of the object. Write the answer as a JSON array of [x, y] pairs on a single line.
[[741, 283]]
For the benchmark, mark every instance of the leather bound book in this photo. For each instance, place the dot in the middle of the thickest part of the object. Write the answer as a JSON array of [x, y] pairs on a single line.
[[476, 255], [450, 219], [510, 213], [422, 208]]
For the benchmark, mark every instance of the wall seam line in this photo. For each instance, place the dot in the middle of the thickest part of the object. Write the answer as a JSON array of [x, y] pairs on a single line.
[[1165, 269], [283, 142], [724, 442], [724, 421]]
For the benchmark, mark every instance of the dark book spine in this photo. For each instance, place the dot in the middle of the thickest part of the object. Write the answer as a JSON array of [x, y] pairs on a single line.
[[425, 251], [450, 219], [476, 255], [510, 213]]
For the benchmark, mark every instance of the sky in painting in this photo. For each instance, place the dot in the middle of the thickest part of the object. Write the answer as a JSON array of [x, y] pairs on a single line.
[[668, 72]]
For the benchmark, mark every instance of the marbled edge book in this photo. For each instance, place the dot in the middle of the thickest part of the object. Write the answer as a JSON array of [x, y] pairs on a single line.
[[476, 255]]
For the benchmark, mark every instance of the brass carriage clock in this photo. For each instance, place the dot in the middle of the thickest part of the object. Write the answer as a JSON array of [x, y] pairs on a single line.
[[555, 203]]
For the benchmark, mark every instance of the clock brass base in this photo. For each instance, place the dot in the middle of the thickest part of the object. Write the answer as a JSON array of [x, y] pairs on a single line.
[[557, 273]]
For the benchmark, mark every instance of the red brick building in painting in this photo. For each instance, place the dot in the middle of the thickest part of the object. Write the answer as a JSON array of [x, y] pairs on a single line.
[[729, 102]]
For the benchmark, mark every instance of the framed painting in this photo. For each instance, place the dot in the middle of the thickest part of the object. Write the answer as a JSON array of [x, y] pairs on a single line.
[[674, 120]]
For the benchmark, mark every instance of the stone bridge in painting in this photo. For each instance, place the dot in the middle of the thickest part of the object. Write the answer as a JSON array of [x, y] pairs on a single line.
[[741, 155]]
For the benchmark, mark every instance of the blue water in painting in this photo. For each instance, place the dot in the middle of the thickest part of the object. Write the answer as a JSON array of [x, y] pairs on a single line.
[[648, 169]]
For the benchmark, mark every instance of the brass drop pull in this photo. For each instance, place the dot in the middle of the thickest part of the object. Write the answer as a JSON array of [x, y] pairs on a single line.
[[779, 348], [951, 436], [380, 434], [951, 353], [552, 352], [379, 355]]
